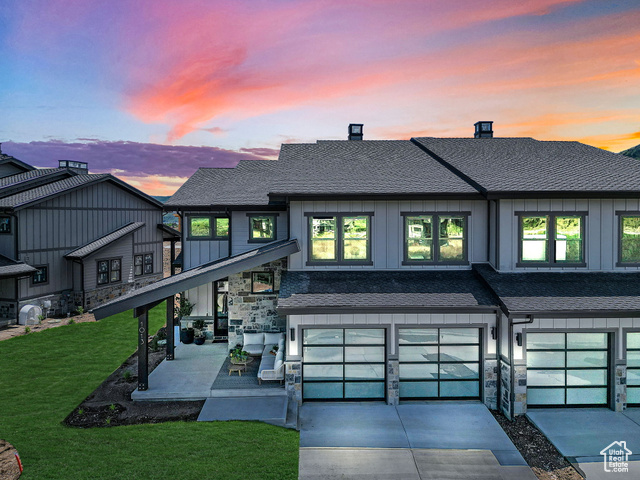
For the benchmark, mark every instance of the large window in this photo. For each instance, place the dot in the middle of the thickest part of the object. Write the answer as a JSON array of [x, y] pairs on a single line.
[[340, 238], [629, 246], [435, 238], [262, 228], [206, 227], [143, 264], [633, 368], [109, 271], [552, 239]]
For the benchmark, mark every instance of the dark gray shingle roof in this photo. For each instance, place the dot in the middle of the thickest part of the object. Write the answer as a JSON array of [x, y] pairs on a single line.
[[12, 268], [326, 167], [528, 165], [42, 192], [26, 176], [104, 241], [532, 292], [383, 289]]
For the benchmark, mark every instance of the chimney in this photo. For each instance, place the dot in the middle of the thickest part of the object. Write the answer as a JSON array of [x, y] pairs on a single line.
[[355, 131], [483, 130], [77, 167]]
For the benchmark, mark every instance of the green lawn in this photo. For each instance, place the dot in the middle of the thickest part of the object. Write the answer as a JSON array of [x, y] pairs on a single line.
[[45, 375]]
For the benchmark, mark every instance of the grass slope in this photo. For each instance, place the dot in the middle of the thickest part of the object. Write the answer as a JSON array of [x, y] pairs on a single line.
[[45, 375]]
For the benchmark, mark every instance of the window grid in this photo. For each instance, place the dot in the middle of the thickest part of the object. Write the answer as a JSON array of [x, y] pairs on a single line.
[[109, 271], [347, 240], [208, 227]]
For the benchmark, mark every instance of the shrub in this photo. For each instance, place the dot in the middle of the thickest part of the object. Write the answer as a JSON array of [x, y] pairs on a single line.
[[40, 319], [80, 310], [127, 376], [27, 330], [71, 321]]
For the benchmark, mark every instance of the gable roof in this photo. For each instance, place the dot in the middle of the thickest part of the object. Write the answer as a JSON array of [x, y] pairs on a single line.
[[22, 181], [104, 241], [45, 192], [197, 276], [519, 166], [4, 158]]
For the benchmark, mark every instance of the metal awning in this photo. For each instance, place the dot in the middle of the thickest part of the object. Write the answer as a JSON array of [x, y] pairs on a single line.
[[169, 233], [194, 277]]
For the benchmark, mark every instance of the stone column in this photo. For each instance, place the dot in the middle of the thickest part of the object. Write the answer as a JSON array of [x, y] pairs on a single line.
[[293, 380], [491, 383], [393, 382], [620, 388]]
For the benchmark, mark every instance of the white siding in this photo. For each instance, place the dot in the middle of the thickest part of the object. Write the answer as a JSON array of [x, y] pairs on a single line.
[[387, 230], [391, 320], [202, 299]]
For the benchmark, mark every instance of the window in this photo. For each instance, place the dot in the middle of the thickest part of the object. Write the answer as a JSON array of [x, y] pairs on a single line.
[[143, 264], [552, 239], [340, 238], [629, 246], [262, 282], [206, 227], [41, 276], [421, 244], [262, 228], [5, 224], [109, 271]]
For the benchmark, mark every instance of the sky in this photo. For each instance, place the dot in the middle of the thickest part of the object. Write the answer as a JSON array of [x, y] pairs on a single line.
[[150, 90]]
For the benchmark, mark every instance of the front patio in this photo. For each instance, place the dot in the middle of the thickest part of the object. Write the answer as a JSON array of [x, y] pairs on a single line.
[[198, 372]]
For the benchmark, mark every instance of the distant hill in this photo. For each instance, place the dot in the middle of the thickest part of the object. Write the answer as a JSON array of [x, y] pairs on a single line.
[[161, 198], [633, 152]]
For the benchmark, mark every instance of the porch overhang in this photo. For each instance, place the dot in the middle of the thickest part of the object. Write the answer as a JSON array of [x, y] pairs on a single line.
[[154, 293], [10, 268]]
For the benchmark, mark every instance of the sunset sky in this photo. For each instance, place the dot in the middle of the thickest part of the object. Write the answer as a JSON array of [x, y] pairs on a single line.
[[140, 88]]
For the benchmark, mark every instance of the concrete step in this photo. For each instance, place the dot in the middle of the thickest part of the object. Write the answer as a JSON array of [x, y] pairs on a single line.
[[272, 410]]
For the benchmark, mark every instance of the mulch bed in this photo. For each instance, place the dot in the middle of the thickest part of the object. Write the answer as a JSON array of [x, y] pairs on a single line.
[[111, 405], [543, 458], [9, 469]]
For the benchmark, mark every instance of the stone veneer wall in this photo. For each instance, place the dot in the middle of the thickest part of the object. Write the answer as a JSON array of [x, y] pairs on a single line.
[[393, 382], [505, 388], [93, 298], [61, 304], [249, 312], [491, 383], [293, 381], [520, 389], [620, 388]]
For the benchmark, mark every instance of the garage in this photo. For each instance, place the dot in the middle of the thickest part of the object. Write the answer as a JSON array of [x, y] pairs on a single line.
[[568, 368], [343, 363], [439, 363]]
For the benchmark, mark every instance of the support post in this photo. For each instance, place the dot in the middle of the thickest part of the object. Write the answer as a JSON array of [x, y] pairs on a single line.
[[173, 257], [170, 327], [143, 351]]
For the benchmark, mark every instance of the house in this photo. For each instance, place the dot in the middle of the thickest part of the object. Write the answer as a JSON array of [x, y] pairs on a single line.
[[72, 239], [497, 269]]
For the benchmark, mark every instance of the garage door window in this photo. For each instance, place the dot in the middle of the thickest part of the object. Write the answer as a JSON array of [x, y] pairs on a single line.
[[343, 363], [439, 362], [567, 368], [633, 368]]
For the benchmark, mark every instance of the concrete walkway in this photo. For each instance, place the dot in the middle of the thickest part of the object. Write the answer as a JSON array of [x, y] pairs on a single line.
[[580, 434], [191, 374], [413, 440], [271, 410]]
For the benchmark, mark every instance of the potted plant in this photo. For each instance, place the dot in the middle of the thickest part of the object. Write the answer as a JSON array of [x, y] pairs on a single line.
[[184, 310], [238, 355], [274, 350], [198, 325]]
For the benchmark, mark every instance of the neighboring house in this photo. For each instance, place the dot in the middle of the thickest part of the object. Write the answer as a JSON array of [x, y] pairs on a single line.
[[69, 238], [499, 269]]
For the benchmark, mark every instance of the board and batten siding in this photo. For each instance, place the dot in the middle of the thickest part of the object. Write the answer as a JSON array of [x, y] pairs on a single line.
[[391, 320], [122, 249], [49, 230], [240, 230], [199, 252], [387, 230], [601, 230]]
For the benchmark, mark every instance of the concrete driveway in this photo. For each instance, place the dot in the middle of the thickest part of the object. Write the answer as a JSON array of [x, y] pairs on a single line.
[[580, 434], [413, 440]]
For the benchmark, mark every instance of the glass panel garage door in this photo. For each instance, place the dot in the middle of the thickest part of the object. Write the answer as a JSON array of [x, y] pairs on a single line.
[[567, 369], [439, 363], [633, 369], [343, 363]]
